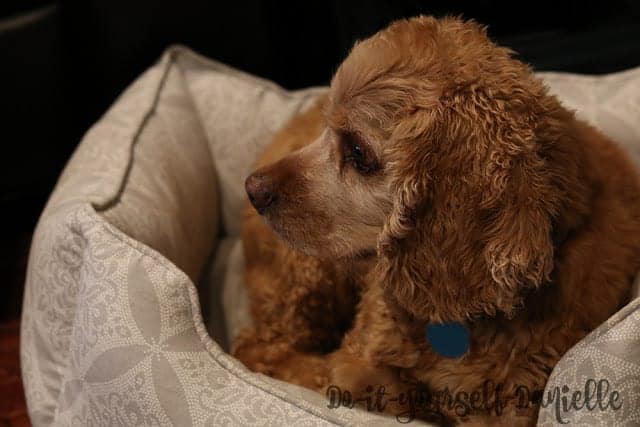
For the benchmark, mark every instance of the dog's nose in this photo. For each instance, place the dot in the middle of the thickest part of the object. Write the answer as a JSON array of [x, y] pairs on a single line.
[[260, 191]]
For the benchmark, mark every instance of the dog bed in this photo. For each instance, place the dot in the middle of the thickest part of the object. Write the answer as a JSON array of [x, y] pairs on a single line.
[[127, 316]]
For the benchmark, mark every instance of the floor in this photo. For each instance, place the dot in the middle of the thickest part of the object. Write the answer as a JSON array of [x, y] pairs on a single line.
[[13, 409], [13, 262]]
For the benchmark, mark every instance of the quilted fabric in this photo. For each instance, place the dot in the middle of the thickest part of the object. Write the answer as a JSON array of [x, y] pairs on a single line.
[[112, 328]]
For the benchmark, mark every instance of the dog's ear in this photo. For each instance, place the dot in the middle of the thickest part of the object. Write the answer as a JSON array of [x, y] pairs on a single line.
[[471, 226], [516, 210]]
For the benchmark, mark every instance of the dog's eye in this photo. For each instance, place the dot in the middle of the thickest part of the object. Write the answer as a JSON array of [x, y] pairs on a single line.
[[357, 154]]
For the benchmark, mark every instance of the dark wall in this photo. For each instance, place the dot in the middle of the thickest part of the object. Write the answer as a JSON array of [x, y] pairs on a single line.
[[62, 63]]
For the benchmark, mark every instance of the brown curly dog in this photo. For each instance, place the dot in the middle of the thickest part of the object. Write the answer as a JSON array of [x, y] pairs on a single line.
[[439, 182]]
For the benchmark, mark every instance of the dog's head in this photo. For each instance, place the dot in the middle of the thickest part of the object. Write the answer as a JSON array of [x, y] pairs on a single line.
[[436, 158]]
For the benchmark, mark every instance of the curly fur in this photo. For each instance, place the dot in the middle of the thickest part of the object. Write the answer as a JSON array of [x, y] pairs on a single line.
[[494, 206]]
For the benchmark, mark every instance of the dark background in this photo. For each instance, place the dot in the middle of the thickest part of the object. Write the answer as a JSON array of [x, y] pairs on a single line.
[[62, 63]]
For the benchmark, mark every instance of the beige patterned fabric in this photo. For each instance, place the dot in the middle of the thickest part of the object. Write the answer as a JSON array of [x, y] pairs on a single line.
[[149, 205]]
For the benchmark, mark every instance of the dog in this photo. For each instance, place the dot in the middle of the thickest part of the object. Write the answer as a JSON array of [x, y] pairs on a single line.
[[437, 182]]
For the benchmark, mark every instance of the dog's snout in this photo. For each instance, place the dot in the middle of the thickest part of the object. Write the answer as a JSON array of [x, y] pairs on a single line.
[[260, 191]]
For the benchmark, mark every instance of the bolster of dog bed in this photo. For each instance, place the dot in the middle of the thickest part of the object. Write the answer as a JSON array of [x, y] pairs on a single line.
[[134, 282]]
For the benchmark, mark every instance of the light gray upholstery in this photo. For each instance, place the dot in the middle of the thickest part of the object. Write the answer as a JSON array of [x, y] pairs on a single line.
[[112, 330]]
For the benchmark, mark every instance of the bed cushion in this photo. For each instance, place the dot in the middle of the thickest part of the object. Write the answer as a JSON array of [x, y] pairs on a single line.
[[112, 331], [149, 207]]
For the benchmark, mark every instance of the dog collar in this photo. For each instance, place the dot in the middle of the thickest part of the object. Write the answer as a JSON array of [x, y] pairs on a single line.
[[450, 339]]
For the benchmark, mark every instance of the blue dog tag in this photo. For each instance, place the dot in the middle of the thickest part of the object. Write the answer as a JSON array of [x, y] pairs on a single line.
[[448, 339]]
